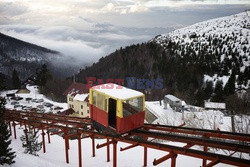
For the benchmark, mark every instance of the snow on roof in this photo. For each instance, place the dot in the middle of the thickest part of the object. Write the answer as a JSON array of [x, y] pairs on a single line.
[[81, 97], [213, 105], [117, 91], [172, 98], [183, 103]]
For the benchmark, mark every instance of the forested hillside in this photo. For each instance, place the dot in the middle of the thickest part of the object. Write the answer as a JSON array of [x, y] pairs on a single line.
[[208, 60]]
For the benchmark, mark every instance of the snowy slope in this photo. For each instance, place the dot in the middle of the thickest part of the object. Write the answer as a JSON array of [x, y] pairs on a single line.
[[228, 38]]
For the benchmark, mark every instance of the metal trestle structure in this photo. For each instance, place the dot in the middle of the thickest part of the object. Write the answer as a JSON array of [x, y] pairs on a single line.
[[148, 136]]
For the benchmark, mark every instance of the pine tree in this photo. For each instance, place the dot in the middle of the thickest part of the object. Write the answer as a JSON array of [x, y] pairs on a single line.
[[43, 75], [6, 155], [208, 89], [30, 142], [16, 83], [1, 82], [218, 91], [230, 85]]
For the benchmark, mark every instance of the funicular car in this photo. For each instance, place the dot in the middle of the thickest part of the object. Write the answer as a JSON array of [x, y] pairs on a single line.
[[116, 108]]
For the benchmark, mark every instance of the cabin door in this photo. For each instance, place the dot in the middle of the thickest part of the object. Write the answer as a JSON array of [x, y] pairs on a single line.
[[112, 113]]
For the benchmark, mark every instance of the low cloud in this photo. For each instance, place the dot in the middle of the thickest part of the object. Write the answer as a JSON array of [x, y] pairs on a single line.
[[75, 50], [79, 47], [12, 8]]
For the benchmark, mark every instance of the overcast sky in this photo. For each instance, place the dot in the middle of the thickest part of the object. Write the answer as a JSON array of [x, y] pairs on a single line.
[[89, 29]]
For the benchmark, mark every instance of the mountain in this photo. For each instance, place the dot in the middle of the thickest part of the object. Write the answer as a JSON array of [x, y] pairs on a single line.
[[207, 60], [26, 58]]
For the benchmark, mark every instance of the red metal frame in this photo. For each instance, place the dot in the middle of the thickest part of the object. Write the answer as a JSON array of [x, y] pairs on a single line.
[[82, 126]]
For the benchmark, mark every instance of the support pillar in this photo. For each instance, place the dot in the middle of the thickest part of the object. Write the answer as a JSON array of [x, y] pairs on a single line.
[[14, 125], [93, 146], [114, 154], [79, 150], [48, 136], [66, 146], [43, 138], [173, 160], [204, 161], [145, 156], [145, 163], [108, 151]]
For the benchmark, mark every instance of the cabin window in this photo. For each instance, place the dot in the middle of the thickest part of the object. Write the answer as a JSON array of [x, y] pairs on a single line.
[[94, 98], [100, 102], [132, 106], [106, 104]]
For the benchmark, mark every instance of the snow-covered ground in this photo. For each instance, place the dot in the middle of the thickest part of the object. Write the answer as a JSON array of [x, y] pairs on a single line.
[[198, 117]]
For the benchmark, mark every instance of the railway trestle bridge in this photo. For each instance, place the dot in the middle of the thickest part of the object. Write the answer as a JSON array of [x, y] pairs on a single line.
[[148, 136]]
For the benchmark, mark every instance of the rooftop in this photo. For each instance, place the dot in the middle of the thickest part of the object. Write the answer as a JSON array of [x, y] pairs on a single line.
[[213, 105], [117, 91], [81, 97], [76, 88]]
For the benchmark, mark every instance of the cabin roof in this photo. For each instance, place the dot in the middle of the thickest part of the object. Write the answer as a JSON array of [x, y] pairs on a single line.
[[117, 91], [172, 98]]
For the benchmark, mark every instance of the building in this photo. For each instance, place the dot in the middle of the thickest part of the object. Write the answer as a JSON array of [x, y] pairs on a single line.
[[77, 99], [173, 102], [214, 106], [23, 90]]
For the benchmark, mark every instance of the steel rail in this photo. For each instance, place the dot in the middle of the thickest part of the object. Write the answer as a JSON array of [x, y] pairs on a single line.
[[195, 140], [201, 132]]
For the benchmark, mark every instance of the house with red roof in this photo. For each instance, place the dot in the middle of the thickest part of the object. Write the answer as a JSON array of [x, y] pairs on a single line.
[[77, 99]]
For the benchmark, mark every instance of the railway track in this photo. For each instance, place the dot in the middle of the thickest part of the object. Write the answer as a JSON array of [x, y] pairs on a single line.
[[196, 142]]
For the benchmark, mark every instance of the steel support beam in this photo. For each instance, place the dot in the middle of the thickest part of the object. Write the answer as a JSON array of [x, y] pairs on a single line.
[[43, 141], [162, 159], [173, 160], [79, 150], [145, 162], [129, 147], [108, 151], [93, 146], [114, 154], [98, 146], [48, 136], [204, 161], [66, 146]]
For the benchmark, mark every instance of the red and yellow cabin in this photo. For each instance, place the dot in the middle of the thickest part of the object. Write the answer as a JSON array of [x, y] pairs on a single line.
[[116, 107]]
